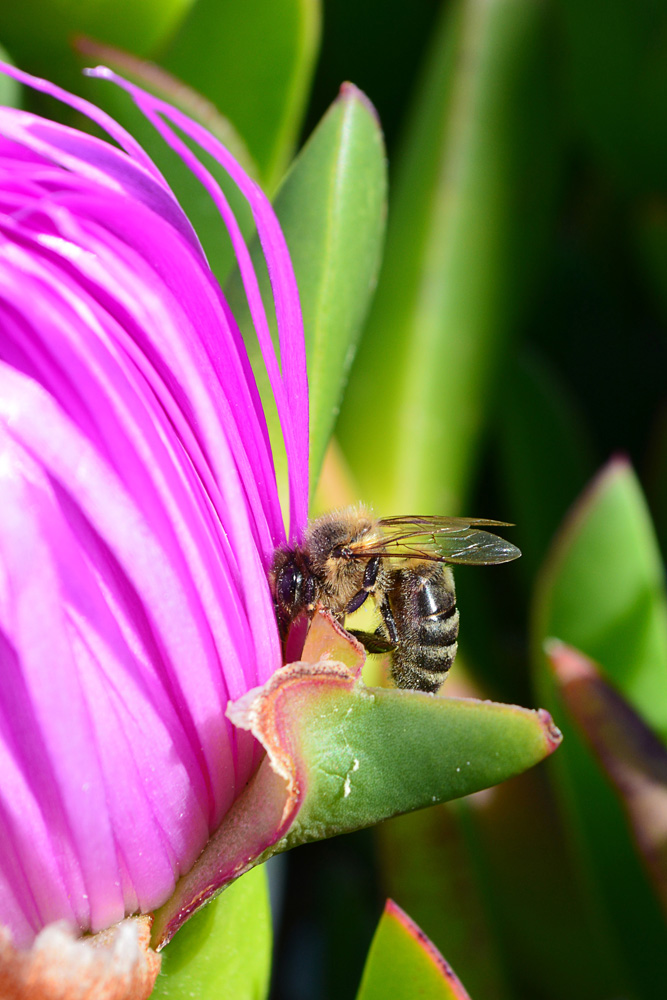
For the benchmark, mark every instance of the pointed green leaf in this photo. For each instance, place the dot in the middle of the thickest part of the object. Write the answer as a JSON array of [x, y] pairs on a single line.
[[403, 964], [224, 951], [332, 764], [331, 207], [254, 61], [466, 226], [370, 753], [602, 588], [602, 591]]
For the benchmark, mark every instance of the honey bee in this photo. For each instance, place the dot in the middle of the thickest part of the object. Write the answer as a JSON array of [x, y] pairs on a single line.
[[348, 556]]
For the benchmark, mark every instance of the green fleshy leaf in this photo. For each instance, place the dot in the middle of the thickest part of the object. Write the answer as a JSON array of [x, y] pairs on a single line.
[[631, 756], [403, 964], [466, 227], [224, 951], [371, 753], [341, 756], [602, 588], [254, 61], [331, 207], [602, 591], [38, 33]]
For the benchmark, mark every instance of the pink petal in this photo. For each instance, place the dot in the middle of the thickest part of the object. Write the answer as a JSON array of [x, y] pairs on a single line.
[[140, 513]]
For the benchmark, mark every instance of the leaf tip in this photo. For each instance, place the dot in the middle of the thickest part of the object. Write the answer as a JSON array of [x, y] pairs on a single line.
[[350, 92], [552, 733], [394, 912]]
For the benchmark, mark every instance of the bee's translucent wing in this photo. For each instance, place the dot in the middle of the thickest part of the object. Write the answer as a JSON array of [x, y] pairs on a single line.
[[443, 539]]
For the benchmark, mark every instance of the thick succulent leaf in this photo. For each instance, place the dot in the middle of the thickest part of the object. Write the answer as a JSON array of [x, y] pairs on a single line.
[[466, 225], [365, 754], [602, 588], [38, 33], [602, 591], [332, 207], [403, 964], [254, 61], [632, 757], [225, 950], [341, 756]]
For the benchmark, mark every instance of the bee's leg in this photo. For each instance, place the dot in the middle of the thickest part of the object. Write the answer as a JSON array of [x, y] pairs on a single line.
[[370, 579], [373, 642], [389, 622]]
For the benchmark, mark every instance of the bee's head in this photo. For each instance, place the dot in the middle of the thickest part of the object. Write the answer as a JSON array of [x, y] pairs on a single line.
[[293, 586]]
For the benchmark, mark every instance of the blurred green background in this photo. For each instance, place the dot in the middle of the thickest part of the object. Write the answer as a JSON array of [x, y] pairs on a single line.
[[511, 364]]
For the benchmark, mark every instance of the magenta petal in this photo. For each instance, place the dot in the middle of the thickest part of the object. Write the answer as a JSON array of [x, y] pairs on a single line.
[[290, 390], [139, 514]]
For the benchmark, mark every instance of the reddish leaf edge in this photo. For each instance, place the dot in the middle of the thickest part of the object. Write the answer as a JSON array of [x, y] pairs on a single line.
[[263, 820], [628, 752], [257, 823], [393, 911]]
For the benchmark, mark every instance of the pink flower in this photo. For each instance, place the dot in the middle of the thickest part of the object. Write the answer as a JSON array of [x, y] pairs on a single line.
[[138, 515]]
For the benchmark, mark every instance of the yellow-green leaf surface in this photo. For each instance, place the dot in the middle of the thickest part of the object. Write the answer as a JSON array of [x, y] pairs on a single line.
[[10, 90], [404, 965], [466, 224], [224, 951], [254, 61], [331, 207]]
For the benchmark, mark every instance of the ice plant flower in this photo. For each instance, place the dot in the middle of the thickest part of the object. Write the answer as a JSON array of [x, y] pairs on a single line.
[[138, 514]]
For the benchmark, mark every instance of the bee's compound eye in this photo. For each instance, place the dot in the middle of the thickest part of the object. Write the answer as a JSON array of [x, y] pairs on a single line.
[[289, 585]]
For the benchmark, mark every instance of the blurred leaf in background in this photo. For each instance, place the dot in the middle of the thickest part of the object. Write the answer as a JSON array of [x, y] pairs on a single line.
[[602, 590], [254, 60], [38, 33], [332, 208], [473, 193]]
